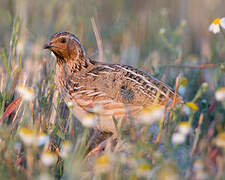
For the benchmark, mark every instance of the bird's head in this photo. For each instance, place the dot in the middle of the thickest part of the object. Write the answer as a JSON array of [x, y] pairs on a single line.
[[65, 46]]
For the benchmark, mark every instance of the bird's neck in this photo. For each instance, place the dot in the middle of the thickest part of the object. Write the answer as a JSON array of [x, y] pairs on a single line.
[[79, 65]]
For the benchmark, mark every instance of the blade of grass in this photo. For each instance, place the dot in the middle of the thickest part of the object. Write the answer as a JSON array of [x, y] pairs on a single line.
[[11, 108]]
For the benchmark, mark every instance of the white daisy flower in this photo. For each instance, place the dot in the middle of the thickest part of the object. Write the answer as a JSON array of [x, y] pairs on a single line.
[[184, 128], [220, 94], [27, 136], [26, 93], [89, 120], [66, 148], [150, 115], [48, 158], [216, 24], [178, 138]]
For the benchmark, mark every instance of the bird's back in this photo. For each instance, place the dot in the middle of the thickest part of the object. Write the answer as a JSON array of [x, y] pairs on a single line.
[[116, 89]]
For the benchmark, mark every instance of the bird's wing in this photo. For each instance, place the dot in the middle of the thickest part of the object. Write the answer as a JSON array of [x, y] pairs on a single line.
[[98, 91], [116, 90]]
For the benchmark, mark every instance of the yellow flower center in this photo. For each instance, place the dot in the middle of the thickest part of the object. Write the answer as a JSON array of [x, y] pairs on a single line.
[[26, 131], [144, 167], [221, 136], [216, 21], [184, 124], [102, 160]]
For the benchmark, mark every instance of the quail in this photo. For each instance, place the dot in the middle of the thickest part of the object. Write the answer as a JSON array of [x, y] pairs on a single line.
[[111, 91]]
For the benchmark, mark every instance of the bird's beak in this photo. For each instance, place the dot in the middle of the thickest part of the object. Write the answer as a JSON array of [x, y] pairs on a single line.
[[47, 46]]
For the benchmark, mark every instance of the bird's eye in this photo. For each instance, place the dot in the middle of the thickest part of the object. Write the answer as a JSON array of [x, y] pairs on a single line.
[[63, 40]]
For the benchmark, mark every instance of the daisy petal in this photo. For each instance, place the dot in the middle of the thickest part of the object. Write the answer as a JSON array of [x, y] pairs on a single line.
[[216, 29], [222, 22], [211, 27]]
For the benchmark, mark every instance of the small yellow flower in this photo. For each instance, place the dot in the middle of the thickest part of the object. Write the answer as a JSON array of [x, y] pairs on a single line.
[[220, 94], [48, 158], [26, 93], [220, 140], [27, 136], [144, 169], [192, 106], [150, 115], [168, 171], [184, 128], [102, 160], [102, 163], [215, 26]]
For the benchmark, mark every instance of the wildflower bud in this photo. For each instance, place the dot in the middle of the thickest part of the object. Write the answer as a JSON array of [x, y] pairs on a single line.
[[204, 86]]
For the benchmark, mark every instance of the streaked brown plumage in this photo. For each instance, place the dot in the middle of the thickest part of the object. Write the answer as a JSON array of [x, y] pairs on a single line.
[[118, 89]]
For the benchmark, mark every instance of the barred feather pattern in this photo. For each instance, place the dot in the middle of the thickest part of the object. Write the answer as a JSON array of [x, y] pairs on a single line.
[[116, 89], [109, 90]]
